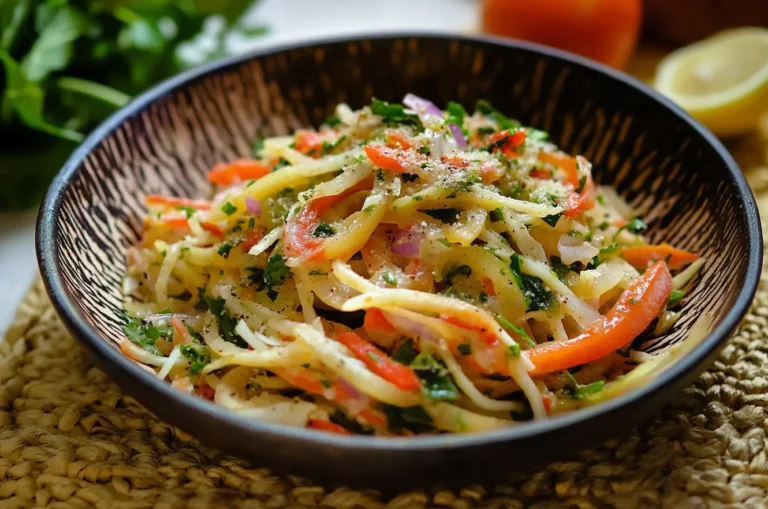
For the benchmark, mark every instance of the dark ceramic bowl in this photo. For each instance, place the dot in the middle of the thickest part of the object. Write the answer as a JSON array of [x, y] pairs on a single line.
[[165, 141]]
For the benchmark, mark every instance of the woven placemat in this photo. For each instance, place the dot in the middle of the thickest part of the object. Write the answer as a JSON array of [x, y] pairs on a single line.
[[70, 438]]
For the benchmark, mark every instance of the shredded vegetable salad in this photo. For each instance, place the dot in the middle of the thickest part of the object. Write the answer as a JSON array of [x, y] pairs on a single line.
[[401, 270]]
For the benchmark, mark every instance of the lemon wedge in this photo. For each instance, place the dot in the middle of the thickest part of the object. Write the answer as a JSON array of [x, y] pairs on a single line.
[[721, 81]]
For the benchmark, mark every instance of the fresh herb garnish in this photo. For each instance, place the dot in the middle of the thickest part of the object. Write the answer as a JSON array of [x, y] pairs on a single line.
[[198, 355], [536, 134], [282, 163], [389, 278], [635, 225], [228, 209], [447, 215], [276, 271], [323, 230], [424, 150], [393, 113], [409, 177], [559, 267], [412, 418], [579, 391], [144, 334], [437, 384], [224, 249], [464, 349], [332, 121], [496, 215], [227, 322], [456, 113], [188, 211], [457, 270], [343, 420], [582, 183], [675, 297], [514, 350], [256, 147], [405, 353], [552, 219], [328, 147], [514, 328], [536, 295]]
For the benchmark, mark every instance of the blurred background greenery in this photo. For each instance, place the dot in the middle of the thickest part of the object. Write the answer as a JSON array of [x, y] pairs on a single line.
[[68, 64]]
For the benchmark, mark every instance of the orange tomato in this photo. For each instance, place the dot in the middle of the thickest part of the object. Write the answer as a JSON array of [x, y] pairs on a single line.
[[604, 30]]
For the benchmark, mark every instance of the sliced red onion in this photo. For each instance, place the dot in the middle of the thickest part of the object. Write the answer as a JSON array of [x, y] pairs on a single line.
[[407, 243], [458, 135], [252, 205], [413, 329], [357, 400], [421, 106]]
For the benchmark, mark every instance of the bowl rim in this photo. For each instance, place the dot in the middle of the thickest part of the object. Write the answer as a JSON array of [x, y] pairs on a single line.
[[107, 355]]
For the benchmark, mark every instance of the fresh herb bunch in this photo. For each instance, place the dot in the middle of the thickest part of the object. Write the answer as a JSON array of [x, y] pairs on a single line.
[[67, 64]]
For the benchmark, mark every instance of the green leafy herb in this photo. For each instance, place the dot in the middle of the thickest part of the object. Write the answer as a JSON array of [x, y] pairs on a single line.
[[198, 355], [257, 277], [437, 384], [536, 134], [412, 418], [224, 249], [188, 211], [393, 113], [635, 225], [323, 230], [389, 278], [444, 242], [582, 183], [276, 270], [424, 150], [457, 270], [202, 300], [559, 267], [318, 272], [514, 328], [328, 147], [409, 177], [369, 209], [447, 215], [282, 163], [465, 349], [256, 147], [456, 113], [144, 334], [228, 209], [552, 219], [489, 111], [514, 350], [579, 391], [66, 65], [536, 295], [496, 215], [343, 420], [332, 121], [405, 353], [675, 297], [227, 322]]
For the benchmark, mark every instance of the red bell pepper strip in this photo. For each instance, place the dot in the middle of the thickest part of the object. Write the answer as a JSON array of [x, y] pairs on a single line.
[[375, 322], [298, 237], [398, 140], [328, 426], [386, 158], [172, 201], [224, 174], [377, 361], [641, 256], [631, 315], [565, 163], [513, 141], [182, 222], [308, 142], [253, 238]]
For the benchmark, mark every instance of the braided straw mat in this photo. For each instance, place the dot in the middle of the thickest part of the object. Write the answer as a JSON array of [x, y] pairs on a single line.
[[69, 438]]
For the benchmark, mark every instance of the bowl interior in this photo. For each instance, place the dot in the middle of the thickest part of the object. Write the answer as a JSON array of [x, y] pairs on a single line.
[[166, 141]]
